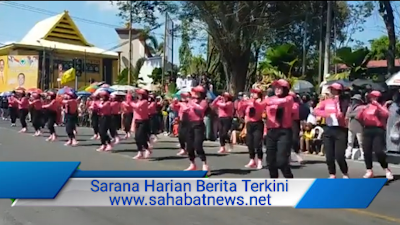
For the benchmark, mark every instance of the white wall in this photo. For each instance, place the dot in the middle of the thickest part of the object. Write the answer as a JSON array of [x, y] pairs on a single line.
[[149, 65]]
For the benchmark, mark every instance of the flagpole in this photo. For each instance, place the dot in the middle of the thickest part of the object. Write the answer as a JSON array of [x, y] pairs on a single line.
[[76, 83], [84, 67]]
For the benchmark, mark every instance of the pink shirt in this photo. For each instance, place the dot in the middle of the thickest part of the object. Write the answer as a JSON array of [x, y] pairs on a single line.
[[140, 109], [126, 107], [373, 115], [12, 102], [330, 106], [71, 106], [23, 103], [248, 105], [53, 105], [152, 108], [36, 104], [104, 108], [196, 111], [180, 107], [225, 109], [272, 105], [115, 107], [296, 111]]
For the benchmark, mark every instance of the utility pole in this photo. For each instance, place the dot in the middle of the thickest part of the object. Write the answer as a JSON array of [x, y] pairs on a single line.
[[327, 39], [164, 59], [321, 42], [130, 42], [334, 40], [304, 63], [43, 78]]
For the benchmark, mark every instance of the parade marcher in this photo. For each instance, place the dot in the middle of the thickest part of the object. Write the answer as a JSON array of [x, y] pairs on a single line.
[[296, 126], [45, 116], [197, 107], [140, 108], [153, 118], [13, 108], [254, 109], [51, 112], [333, 109], [23, 107], [182, 109], [104, 111], [127, 115], [36, 113], [279, 109], [71, 109], [94, 117], [225, 108], [115, 117], [374, 117]]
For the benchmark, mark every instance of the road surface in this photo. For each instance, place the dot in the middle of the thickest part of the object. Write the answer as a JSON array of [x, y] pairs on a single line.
[[23, 147]]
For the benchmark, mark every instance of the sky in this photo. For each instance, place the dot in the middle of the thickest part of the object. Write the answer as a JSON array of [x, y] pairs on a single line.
[[16, 18]]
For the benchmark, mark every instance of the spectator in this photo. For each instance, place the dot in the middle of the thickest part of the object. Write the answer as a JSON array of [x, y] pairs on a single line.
[[180, 82], [189, 82]]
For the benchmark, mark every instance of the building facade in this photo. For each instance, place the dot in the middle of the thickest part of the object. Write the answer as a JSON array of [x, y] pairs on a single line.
[[47, 51]]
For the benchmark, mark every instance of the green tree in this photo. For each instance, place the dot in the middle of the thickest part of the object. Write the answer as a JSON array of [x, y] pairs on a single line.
[[123, 76], [355, 61], [379, 47], [242, 30], [185, 53], [386, 11]]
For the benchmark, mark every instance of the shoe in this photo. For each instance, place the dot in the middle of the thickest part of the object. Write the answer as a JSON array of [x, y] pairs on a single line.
[[389, 175], [369, 174]]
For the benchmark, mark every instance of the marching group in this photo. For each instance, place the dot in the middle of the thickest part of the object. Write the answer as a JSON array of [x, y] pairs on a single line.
[[280, 130]]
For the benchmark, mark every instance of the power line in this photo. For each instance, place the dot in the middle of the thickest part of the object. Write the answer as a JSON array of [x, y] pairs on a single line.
[[29, 8], [52, 13]]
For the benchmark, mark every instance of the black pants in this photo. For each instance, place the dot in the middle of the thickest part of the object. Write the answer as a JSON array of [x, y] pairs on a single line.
[[142, 134], [22, 117], [127, 122], [194, 140], [45, 117], [36, 119], [154, 125], [373, 142], [113, 127], [279, 144], [254, 139], [51, 120], [70, 125], [225, 124], [182, 133], [95, 123], [335, 144], [296, 137], [13, 114], [104, 126]]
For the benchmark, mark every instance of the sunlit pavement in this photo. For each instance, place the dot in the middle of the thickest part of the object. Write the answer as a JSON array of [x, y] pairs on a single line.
[[24, 147]]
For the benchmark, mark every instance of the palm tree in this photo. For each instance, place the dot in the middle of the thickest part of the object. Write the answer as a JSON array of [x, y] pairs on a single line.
[[152, 43], [123, 76], [355, 62], [279, 64]]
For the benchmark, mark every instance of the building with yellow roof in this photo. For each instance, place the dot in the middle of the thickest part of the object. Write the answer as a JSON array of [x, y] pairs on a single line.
[[47, 51]]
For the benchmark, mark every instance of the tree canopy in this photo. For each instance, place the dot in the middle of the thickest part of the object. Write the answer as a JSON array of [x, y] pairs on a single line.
[[246, 36]]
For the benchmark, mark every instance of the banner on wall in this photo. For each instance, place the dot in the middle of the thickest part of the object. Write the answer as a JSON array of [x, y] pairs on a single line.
[[23, 71], [3, 73]]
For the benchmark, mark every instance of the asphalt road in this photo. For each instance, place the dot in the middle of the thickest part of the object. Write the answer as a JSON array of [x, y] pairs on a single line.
[[23, 147]]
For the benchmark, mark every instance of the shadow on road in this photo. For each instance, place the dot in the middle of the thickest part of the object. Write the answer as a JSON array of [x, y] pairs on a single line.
[[313, 162], [230, 171], [396, 178], [240, 153], [165, 158]]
